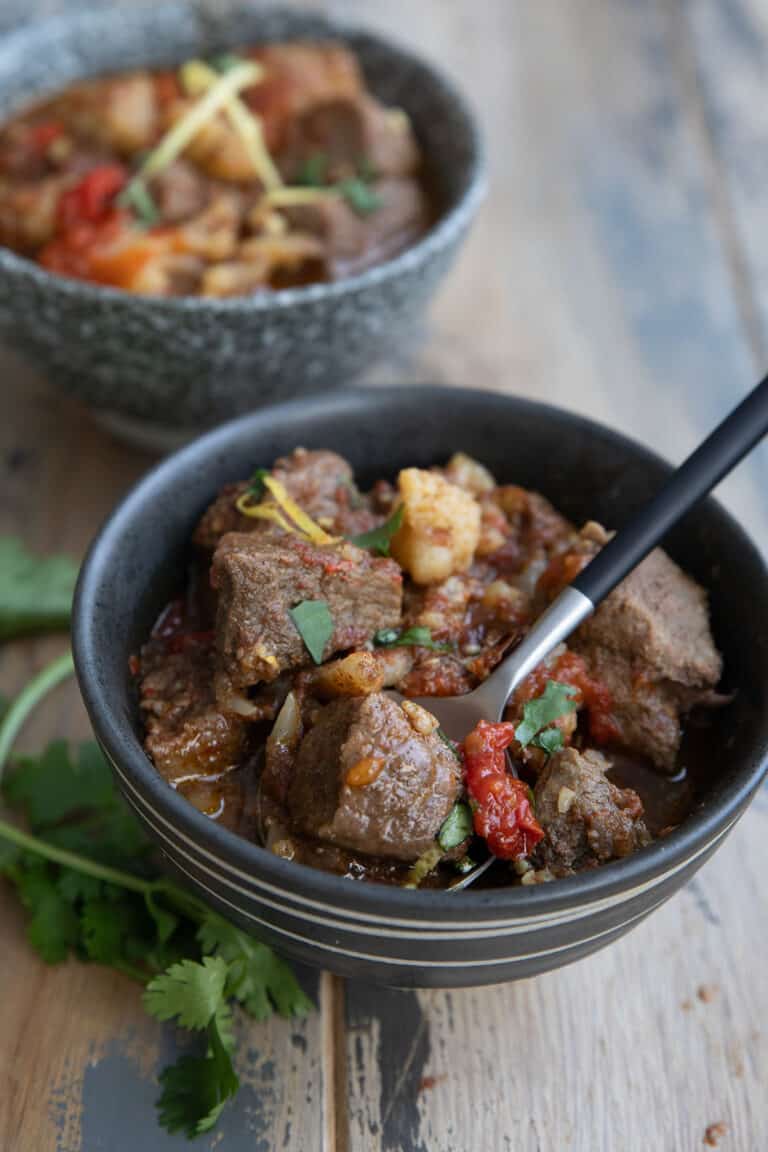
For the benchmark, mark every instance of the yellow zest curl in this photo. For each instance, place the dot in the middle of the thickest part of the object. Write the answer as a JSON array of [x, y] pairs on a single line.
[[282, 512]]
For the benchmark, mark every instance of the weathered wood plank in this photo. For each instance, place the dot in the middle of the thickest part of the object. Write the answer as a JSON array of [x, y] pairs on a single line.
[[78, 1057]]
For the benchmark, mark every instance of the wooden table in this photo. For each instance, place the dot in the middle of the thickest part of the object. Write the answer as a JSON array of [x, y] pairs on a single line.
[[620, 266]]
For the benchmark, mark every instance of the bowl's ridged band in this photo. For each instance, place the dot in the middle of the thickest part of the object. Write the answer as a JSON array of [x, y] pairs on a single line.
[[294, 917]]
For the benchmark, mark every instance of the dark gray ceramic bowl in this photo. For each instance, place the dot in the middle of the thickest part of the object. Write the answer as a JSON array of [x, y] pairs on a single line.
[[367, 930], [161, 369]]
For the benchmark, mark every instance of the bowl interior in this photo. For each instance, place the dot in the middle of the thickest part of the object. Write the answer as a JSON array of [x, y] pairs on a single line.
[[47, 56], [588, 472]]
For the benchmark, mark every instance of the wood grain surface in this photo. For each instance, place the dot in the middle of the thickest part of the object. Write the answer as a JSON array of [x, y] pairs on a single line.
[[620, 265]]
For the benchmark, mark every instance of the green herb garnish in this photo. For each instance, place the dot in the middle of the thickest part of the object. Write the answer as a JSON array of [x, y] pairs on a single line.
[[90, 882], [449, 743], [360, 196], [313, 171], [379, 539], [256, 486], [557, 700], [35, 592], [315, 625], [366, 170], [226, 61], [456, 827], [140, 200], [411, 638], [465, 864]]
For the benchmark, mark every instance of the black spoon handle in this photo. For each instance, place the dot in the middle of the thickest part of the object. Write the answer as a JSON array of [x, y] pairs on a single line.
[[719, 453]]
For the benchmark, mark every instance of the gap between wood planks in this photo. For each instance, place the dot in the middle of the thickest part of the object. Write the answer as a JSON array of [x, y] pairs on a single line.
[[334, 1064], [682, 40]]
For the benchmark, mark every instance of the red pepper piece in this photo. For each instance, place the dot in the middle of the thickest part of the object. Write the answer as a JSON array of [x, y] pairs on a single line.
[[501, 804], [91, 199]]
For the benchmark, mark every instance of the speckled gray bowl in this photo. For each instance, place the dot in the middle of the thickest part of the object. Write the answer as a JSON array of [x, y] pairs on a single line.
[[161, 369]]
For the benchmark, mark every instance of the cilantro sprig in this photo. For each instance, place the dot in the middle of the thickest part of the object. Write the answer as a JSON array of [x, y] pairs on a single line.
[[314, 624], [35, 592], [379, 539], [416, 637], [90, 881], [539, 714]]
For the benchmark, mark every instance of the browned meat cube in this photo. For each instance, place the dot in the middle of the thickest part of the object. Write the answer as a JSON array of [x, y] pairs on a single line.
[[586, 819], [260, 578], [651, 645], [658, 617], [187, 737], [320, 482], [345, 132], [354, 242], [366, 779]]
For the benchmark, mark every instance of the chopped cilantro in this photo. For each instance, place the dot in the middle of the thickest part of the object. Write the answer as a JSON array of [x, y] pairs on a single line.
[[379, 539], [456, 827], [412, 638], [360, 196], [135, 920], [315, 626], [226, 61], [137, 196], [314, 171], [35, 592], [256, 486], [556, 700]]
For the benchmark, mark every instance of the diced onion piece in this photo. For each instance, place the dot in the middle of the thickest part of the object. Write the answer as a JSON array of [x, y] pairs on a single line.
[[565, 798], [419, 718], [287, 726]]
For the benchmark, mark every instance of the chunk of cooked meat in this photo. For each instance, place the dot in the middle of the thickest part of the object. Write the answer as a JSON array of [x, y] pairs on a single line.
[[180, 191], [186, 735], [658, 617], [650, 643], [346, 132], [647, 712], [297, 77], [320, 482], [354, 242], [119, 112], [440, 527], [587, 820], [365, 778], [260, 578]]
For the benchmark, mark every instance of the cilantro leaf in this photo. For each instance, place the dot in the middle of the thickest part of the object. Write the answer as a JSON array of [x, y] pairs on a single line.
[[257, 977], [556, 700], [256, 485], [314, 171], [188, 992], [315, 626], [412, 637], [456, 827], [360, 196], [137, 196], [379, 539], [51, 787], [196, 1088], [53, 926], [35, 592], [549, 739], [165, 922]]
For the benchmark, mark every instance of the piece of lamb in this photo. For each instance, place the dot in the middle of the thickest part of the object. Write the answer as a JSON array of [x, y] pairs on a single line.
[[320, 482], [261, 577], [369, 778], [587, 820]]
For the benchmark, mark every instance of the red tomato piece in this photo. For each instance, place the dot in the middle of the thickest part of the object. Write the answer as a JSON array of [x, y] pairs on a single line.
[[501, 804], [91, 199]]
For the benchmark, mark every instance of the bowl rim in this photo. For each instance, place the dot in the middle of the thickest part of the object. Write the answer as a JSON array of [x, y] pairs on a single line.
[[440, 234], [307, 886]]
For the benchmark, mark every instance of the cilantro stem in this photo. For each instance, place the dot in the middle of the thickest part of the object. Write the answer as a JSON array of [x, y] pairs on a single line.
[[73, 860], [27, 700]]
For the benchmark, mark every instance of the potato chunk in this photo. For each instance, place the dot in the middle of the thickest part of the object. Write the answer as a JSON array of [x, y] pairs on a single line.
[[440, 528]]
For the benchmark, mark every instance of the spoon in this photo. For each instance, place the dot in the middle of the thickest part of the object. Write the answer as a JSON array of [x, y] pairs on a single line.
[[723, 449], [712, 460]]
